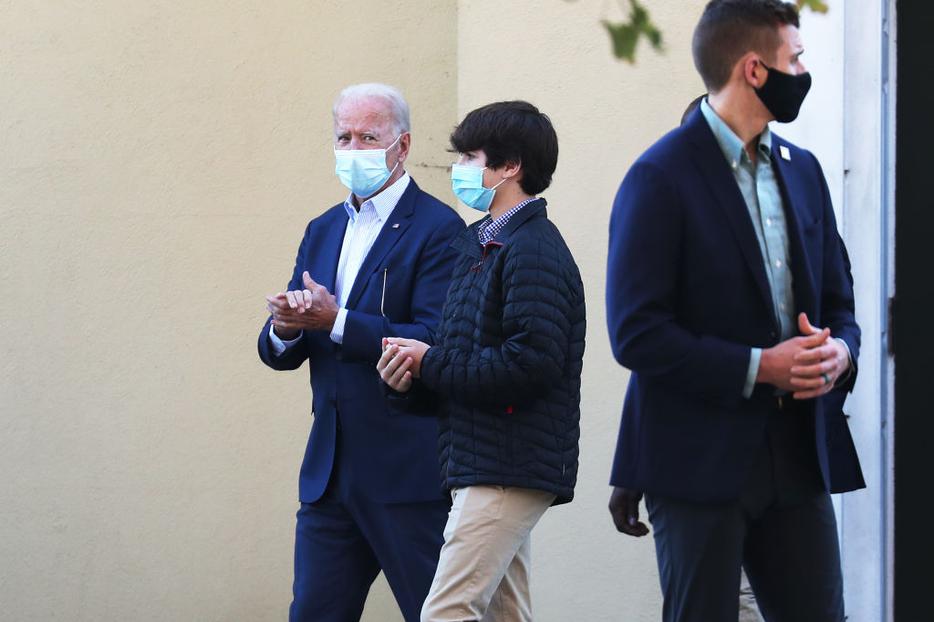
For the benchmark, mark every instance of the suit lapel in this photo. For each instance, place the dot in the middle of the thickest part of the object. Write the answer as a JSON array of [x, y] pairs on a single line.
[[322, 263], [393, 229], [793, 197], [716, 172]]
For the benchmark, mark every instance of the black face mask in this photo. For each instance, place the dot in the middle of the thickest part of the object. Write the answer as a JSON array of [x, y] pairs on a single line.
[[783, 93]]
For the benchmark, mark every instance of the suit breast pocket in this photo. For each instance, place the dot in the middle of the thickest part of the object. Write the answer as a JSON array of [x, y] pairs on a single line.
[[812, 239], [813, 229], [813, 234]]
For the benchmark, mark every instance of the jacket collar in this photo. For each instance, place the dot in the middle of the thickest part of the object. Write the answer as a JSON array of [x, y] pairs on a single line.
[[732, 145], [468, 243], [533, 209]]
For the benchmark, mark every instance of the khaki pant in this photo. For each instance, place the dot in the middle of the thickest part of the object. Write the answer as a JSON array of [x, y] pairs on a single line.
[[748, 609], [483, 571]]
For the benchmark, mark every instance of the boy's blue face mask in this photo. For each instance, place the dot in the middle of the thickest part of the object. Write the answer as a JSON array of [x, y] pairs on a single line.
[[467, 184], [363, 171]]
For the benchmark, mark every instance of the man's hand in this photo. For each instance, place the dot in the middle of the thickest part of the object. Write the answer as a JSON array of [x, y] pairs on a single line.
[[815, 371], [278, 306], [413, 349], [393, 368], [312, 308], [624, 508], [777, 361]]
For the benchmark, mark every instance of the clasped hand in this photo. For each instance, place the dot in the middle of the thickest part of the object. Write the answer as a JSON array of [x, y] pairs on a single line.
[[401, 362], [807, 366], [311, 308]]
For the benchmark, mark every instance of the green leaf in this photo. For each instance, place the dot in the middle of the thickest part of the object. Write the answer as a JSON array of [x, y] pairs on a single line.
[[815, 5], [625, 35]]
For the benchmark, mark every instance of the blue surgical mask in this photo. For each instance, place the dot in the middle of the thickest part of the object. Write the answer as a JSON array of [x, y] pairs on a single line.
[[467, 184], [363, 171]]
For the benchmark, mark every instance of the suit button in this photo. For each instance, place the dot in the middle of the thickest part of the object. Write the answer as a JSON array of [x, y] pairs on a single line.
[[339, 356], [773, 335]]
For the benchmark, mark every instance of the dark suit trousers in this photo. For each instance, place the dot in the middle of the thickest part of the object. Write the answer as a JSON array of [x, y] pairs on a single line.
[[782, 530], [344, 539]]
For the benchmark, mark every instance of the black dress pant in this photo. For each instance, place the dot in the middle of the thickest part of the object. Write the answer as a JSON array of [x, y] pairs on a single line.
[[782, 530]]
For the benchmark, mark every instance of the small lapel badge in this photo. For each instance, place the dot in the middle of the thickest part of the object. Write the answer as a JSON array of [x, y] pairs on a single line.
[[395, 225], [786, 155]]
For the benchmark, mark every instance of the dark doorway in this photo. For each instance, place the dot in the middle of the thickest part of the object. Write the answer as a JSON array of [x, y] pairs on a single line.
[[914, 311]]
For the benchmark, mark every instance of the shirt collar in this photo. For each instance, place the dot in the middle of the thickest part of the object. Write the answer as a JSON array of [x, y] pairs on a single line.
[[383, 203], [489, 229], [730, 143]]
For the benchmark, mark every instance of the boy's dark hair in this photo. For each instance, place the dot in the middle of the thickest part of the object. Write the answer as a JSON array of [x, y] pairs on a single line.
[[513, 131], [728, 29]]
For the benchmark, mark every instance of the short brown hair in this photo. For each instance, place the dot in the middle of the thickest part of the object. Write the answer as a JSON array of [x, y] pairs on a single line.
[[728, 29]]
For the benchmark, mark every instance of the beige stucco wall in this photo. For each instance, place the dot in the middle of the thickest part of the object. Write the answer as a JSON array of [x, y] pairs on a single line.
[[159, 161]]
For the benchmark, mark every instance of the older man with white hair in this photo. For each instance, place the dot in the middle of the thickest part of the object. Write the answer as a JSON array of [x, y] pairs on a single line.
[[376, 265]]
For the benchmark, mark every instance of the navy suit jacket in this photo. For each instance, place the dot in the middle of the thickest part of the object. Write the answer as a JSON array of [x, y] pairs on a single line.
[[687, 298], [391, 456]]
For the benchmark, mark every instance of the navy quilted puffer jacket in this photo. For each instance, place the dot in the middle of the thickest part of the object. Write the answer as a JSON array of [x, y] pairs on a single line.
[[508, 359]]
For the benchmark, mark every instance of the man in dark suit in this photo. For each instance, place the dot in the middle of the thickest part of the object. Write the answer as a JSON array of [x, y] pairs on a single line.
[[374, 266], [724, 256]]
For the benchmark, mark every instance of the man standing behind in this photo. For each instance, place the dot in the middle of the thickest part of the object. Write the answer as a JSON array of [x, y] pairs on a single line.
[[724, 256], [369, 489]]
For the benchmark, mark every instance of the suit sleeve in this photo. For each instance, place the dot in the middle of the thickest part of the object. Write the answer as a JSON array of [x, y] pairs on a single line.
[[294, 356], [837, 303], [418, 400], [539, 300], [363, 332], [643, 270]]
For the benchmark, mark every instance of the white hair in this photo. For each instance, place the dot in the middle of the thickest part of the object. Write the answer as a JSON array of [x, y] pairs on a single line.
[[397, 105]]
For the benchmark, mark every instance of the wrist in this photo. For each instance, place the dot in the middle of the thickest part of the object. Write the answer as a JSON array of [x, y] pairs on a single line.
[[764, 374], [843, 351], [417, 364], [285, 334], [332, 318]]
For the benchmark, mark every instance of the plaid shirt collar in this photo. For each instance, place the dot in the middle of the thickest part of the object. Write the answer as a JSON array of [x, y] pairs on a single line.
[[488, 230]]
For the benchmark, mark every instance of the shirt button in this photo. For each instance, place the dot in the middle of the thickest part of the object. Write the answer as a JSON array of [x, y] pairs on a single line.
[[768, 222], [778, 263], [781, 306], [734, 164]]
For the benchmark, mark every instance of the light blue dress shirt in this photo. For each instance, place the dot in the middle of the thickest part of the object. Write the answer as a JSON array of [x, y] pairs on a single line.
[[759, 187]]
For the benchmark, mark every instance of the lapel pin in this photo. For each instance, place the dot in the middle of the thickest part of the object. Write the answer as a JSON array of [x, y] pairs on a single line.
[[395, 226], [786, 155]]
